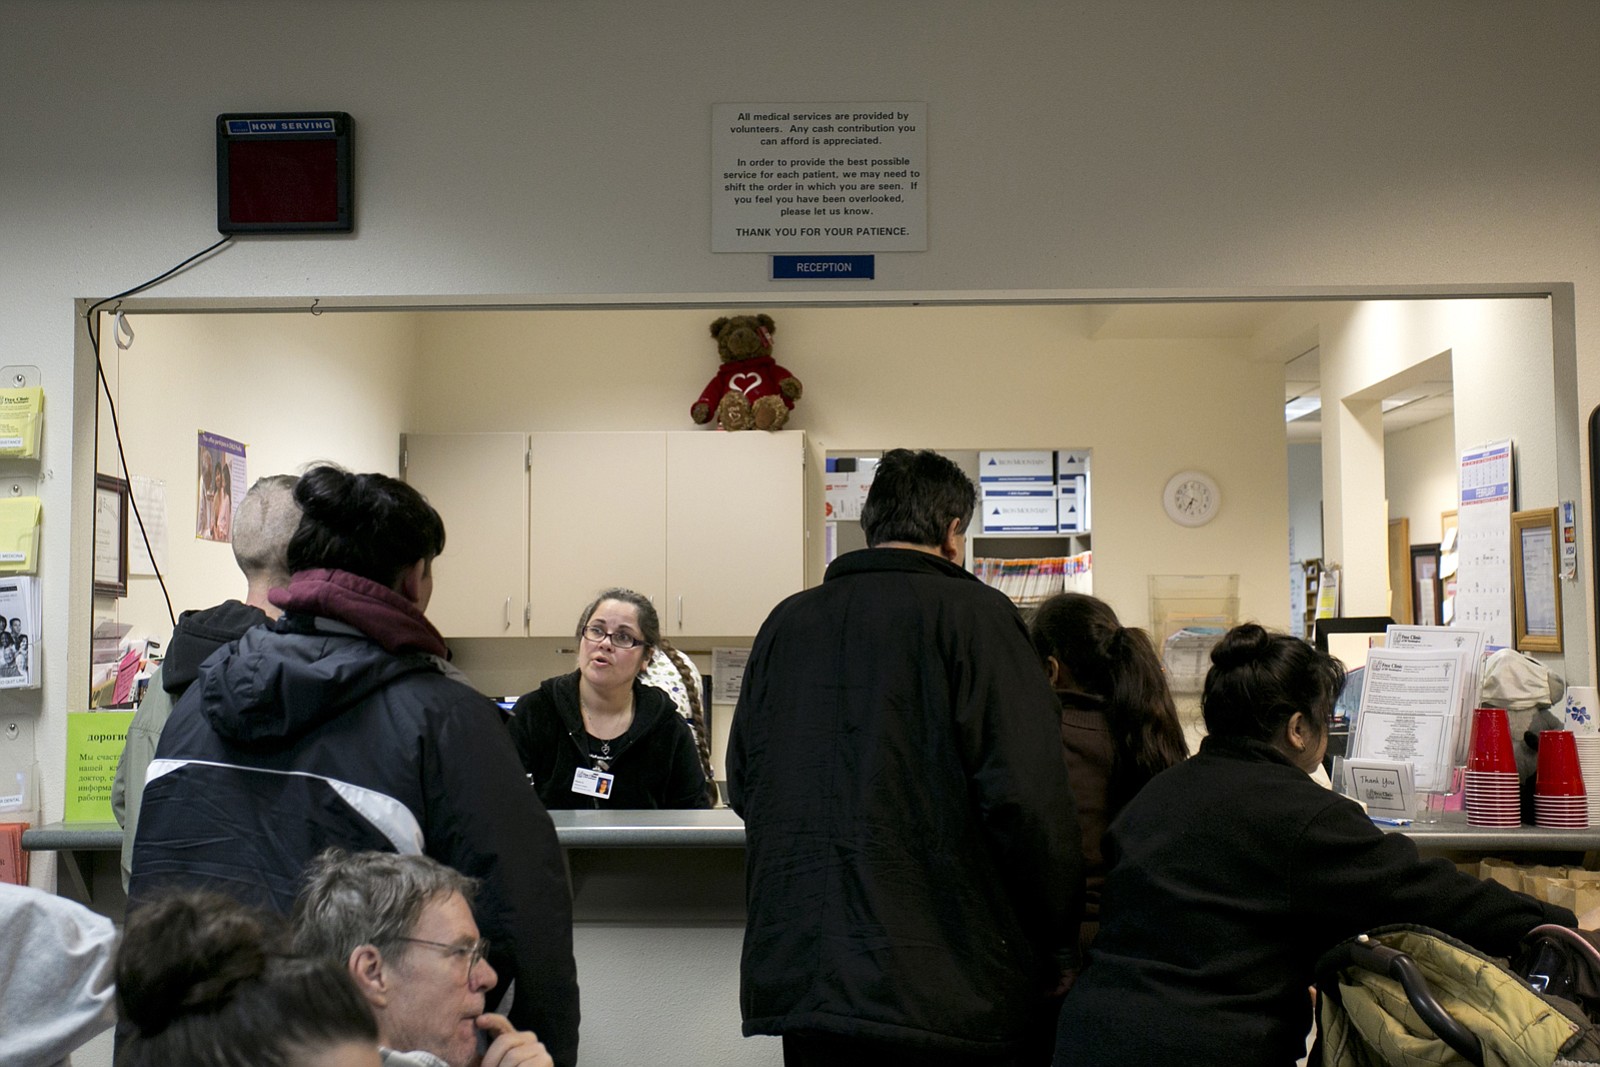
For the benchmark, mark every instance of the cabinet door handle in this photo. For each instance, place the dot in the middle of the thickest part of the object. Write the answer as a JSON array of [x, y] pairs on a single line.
[[508, 613], [680, 611]]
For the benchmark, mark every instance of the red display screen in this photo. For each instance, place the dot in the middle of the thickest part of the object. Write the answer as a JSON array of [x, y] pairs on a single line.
[[283, 181]]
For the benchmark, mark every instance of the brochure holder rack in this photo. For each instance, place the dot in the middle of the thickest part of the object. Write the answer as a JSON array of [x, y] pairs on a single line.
[[1189, 613]]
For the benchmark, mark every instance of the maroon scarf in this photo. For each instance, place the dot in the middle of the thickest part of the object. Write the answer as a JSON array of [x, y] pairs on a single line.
[[382, 614]]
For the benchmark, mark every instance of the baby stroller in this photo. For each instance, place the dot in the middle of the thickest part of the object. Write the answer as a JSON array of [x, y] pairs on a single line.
[[1408, 996]]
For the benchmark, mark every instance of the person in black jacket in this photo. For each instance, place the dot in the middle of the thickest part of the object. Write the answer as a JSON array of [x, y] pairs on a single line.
[[343, 726], [1233, 872], [914, 874], [263, 523], [600, 737]]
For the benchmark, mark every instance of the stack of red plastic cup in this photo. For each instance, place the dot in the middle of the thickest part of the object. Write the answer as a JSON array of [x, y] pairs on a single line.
[[1490, 781], [1559, 799]]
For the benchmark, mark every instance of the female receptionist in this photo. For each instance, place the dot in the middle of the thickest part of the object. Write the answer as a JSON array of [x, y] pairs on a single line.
[[600, 737]]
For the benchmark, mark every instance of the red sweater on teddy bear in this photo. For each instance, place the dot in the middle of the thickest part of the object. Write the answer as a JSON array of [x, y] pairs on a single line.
[[756, 377]]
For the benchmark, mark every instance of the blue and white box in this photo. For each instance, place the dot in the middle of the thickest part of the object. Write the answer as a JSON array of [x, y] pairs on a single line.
[[1072, 505], [1071, 462], [1001, 489], [1012, 468], [1017, 514]]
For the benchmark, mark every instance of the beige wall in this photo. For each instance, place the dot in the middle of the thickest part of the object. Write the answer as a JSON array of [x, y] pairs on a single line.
[[296, 389], [1420, 473]]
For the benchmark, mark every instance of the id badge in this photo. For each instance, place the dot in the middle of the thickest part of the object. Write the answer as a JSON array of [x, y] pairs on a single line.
[[592, 783]]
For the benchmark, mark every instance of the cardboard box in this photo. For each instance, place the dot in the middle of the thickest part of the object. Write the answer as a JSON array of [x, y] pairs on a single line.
[[1001, 467], [1017, 514]]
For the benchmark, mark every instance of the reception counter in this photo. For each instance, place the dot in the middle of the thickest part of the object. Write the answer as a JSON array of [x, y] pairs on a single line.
[[658, 918], [690, 850], [722, 829]]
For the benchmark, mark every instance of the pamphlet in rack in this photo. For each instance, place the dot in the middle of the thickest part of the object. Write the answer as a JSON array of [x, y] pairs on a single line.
[[19, 632], [1472, 644], [1410, 706]]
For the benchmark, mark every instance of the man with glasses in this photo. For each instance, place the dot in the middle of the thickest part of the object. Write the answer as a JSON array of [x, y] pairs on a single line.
[[913, 866], [403, 926]]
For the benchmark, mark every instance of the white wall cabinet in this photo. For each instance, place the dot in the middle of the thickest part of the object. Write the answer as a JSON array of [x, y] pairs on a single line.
[[710, 526], [478, 483], [599, 520]]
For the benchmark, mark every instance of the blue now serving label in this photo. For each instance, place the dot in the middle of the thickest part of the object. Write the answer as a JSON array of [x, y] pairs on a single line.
[[823, 267], [236, 127]]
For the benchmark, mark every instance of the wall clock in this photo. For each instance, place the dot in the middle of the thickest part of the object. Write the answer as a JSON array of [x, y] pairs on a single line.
[[1191, 498]]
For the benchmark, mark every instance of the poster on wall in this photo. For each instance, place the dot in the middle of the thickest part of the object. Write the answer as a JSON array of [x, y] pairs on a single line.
[[220, 482], [819, 177], [1483, 542], [149, 533]]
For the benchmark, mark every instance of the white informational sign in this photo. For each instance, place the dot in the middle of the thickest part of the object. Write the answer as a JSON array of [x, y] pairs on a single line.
[[727, 674], [1409, 704], [1483, 573], [819, 177], [1539, 582]]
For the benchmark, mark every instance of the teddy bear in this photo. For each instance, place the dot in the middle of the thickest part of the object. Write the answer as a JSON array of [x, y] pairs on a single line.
[[751, 391]]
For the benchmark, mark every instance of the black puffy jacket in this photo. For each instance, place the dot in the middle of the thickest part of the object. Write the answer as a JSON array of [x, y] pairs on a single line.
[[912, 852], [310, 735]]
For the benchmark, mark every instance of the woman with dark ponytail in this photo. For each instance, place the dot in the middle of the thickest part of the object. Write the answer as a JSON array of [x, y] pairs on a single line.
[[203, 980], [1233, 872], [1119, 727]]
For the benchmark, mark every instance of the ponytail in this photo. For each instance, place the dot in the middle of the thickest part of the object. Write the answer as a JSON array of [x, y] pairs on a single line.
[[1146, 737], [697, 719], [1118, 666]]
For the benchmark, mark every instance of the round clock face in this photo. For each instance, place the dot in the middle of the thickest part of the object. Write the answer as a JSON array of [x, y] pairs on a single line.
[[1191, 498]]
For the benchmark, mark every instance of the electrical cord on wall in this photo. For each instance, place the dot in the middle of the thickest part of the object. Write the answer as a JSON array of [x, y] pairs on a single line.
[[111, 404]]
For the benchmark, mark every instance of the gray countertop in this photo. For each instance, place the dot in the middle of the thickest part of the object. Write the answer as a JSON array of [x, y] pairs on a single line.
[[721, 828], [718, 828]]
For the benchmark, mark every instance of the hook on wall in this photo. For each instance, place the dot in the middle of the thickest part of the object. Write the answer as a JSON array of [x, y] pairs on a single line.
[[314, 302], [122, 331]]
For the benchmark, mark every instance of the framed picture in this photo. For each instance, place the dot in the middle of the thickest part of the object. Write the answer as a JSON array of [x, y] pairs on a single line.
[[1536, 580], [1427, 592], [110, 536]]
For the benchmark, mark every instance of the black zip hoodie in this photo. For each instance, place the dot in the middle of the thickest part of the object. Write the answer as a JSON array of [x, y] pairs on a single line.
[[656, 763]]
